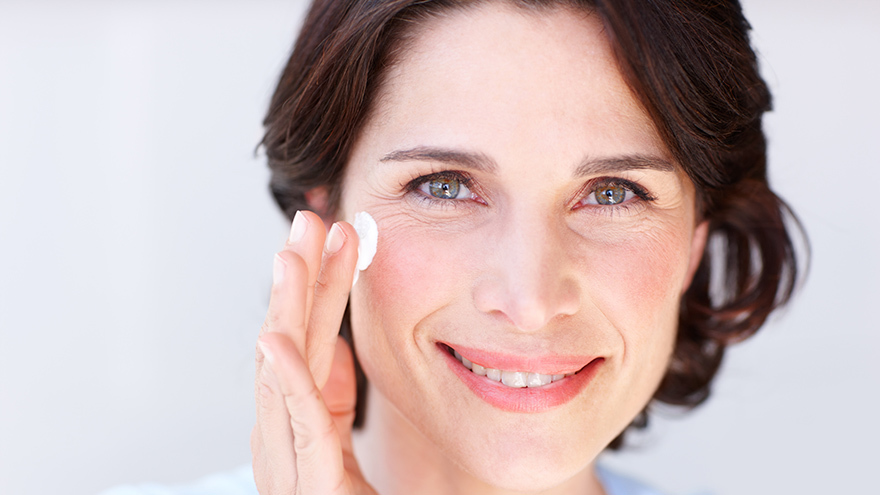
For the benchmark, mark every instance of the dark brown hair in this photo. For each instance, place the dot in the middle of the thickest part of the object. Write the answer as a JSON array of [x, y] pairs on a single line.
[[690, 64]]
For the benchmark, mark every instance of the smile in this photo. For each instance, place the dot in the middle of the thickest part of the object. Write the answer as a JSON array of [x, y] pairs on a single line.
[[513, 379], [521, 384]]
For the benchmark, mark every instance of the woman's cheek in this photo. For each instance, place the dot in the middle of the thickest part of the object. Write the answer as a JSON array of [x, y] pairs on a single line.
[[415, 265], [636, 282], [417, 270]]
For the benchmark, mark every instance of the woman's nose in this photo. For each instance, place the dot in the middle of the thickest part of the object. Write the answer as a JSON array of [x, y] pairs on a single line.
[[529, 279]]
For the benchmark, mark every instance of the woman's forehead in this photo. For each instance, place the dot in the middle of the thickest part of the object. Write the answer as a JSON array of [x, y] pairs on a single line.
[[498, 81]]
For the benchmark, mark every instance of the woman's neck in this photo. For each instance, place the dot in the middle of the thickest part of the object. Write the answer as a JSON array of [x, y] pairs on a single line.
[[398, 460]]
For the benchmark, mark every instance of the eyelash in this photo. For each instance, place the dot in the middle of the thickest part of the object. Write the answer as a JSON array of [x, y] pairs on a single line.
[[412, 188], [642, 196], [590, 188]]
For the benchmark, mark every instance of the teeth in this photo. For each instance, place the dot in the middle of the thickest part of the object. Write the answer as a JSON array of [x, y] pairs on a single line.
[[539, 379], [514, 379], [493, 374]]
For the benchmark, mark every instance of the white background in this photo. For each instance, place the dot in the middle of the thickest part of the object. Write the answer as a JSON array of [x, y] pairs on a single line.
[[137, 233]]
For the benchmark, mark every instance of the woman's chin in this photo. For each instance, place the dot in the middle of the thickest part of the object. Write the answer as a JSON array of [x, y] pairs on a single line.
[[523, 465], [524, 475]]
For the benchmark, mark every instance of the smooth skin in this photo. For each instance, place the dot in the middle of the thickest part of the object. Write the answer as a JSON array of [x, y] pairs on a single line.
[[525, 263]]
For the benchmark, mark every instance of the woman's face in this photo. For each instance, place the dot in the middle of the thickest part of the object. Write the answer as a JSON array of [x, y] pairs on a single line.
[[530, 218]]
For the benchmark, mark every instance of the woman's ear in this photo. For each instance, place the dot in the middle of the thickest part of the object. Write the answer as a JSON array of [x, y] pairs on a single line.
[[318, 199], [698, 245]]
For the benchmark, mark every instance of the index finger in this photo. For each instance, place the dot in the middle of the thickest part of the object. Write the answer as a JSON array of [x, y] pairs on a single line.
[[306, 238], [287, 303], [295, 271]]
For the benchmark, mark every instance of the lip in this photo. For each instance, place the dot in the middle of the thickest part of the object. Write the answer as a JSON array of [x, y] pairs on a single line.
[[525, 400]]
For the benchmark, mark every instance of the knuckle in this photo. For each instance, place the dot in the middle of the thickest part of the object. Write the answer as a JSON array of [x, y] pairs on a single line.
[[267, 391], [331, 284], [272, 321], [310, 434], [304, 401], [295, 262], [322, 287], [318, 437]]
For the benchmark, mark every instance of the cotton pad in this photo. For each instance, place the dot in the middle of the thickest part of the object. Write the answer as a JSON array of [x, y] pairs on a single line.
[[368, 232]]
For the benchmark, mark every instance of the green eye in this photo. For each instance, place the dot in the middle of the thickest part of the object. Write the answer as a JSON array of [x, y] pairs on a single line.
[[445, 187], [611, 194], [448, 188], [615, 193]]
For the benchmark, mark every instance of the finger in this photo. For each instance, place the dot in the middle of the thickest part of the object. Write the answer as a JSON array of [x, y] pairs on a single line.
[[316, 441], [330, 297], [274, 458], [307, 234], [287, 302], [295, 271], [272, 444]]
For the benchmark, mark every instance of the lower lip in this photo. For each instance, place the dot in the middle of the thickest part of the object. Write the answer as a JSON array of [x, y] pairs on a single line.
[[524, 400]]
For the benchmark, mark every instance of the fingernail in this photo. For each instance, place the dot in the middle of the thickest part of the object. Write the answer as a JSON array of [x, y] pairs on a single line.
[[300, 223], [335, 239], [278, 267]]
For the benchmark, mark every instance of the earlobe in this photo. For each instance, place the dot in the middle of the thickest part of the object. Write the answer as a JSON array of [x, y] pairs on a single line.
[[698, 245], [318, 201]]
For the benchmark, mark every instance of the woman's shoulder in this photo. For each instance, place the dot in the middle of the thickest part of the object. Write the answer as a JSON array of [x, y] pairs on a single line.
[[618, 484], [240, 481]]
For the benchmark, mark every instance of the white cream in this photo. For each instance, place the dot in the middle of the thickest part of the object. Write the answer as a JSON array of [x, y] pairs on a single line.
[[368, 233]]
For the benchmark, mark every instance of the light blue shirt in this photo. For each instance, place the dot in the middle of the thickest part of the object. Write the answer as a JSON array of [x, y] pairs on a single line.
[[240, 481]]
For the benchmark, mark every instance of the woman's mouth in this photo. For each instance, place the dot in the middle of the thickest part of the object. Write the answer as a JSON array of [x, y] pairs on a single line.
[[513, 379], [518, 384]]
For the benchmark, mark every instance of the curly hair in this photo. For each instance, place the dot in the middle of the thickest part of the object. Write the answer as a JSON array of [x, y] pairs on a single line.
[[689, 63]]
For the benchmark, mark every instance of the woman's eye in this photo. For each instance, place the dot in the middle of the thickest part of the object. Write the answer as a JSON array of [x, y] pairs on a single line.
[[445, 187], [616, 192], [612, 194]]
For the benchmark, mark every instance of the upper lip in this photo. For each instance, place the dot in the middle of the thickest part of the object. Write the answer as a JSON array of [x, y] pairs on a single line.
[[548, 364]]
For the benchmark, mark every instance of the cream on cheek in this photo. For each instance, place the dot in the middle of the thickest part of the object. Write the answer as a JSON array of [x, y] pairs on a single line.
[[417, 270], [368, 235], [417, 273], [421, 281]]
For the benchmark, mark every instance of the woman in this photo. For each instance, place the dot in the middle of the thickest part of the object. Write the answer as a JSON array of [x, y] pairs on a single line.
[[545, 176], [573, 221]]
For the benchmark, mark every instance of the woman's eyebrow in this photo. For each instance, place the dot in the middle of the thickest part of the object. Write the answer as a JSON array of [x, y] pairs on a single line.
[[621, 164], [464, 159], [481, 162]]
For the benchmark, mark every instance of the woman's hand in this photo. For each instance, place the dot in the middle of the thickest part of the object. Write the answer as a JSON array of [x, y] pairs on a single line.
[[305, 385]]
